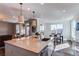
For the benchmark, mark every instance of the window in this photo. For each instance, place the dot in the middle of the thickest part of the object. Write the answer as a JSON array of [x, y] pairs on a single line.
[[53, 27], [17, 28], [20, 29], [27, 30], [57, 28], [73, 27], [41, 27]]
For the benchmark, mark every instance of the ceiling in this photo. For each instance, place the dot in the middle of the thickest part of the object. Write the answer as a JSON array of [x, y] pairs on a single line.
[[51, 11]]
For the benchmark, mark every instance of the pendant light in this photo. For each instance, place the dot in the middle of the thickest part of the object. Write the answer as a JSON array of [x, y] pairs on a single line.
[[21, 17]]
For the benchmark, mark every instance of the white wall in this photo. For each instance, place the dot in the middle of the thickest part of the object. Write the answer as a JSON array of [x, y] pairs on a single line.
[[47, 22]]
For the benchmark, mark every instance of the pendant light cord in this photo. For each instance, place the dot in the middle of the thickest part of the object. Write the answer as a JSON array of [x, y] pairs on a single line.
[[21, 8], [33, 13]]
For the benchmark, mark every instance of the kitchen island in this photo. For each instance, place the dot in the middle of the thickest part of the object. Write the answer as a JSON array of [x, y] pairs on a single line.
[[26, 46]]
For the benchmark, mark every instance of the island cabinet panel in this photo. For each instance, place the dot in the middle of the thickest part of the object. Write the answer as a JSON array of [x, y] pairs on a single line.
[[11, 50]]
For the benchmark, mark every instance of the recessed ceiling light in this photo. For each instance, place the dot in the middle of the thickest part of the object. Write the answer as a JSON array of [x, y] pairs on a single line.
[[28, 9], [63, 11], [42, 3]]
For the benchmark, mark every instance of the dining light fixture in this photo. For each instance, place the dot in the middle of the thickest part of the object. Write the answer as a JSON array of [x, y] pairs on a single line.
[[21, 17]]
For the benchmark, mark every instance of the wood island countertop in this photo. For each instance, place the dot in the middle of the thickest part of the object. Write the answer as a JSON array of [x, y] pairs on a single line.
[[28, 43]]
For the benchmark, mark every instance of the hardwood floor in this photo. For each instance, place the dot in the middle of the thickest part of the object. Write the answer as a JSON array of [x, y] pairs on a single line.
[[73, 50]]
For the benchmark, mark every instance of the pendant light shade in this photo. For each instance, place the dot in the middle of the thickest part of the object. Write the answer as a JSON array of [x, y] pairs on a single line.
[[21, 17]]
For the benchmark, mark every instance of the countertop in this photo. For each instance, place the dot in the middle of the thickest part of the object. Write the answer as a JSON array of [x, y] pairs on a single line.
[[28, 43]]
